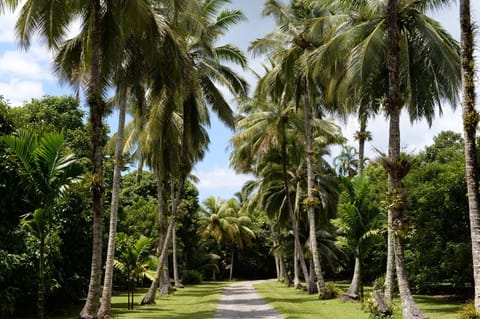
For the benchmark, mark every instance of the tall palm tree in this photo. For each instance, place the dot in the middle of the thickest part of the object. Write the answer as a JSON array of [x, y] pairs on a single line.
[[346, 162], [48, 169], [138, 47], [470, 122], [259, 132], [223, 223], [51, 21], [394, 41], [199, 89], [289, 45]]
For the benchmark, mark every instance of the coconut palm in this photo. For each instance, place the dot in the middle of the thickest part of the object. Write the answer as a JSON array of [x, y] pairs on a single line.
[[199, 89], [51, 20], [394, 41], [223, 223], [48, 168], [346, 162], [289, 45], [470, 122]]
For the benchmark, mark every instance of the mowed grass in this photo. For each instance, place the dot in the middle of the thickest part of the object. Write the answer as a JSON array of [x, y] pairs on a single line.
[[293, 304], [192, 302]]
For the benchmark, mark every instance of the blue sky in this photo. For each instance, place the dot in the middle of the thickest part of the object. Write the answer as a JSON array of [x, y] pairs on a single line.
[[27, 75]]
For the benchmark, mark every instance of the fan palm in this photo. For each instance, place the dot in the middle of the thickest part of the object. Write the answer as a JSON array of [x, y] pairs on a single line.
[[48, 168]]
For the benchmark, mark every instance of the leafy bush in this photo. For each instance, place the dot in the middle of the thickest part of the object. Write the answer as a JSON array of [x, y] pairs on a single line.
[[371, 306], [331, 292], [468, 311], [191, 276]]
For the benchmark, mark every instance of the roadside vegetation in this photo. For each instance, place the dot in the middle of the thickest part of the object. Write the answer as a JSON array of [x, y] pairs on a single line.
[[109, 219]]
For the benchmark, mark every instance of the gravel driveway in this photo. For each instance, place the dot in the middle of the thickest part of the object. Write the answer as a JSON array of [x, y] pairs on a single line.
[[240, 300]]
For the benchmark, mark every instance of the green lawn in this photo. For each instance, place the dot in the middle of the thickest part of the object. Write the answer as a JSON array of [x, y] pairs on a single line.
[[293, 304], [191, 302]]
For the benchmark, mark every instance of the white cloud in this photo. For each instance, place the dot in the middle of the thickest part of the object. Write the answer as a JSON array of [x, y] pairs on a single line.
[[220, 178], [18, 91], [33, 65]]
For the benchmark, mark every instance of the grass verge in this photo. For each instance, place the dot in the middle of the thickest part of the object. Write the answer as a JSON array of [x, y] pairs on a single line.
[[296, 304], [192, 302]]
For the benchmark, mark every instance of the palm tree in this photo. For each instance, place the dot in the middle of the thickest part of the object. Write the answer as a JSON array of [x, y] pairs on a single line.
[[51, 21], [421, 62], [130, 78], [289, 45], [48, 169], [133, 263], [223, 223], [470, 122], [358, 223], [198, 89], [346, 162]]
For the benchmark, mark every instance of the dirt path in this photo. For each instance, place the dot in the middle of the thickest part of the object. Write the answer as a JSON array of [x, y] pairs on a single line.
[[240, 300]]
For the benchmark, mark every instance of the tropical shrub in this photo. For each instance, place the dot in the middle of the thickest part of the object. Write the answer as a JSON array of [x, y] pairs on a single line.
[[468, 311], [191, 276]]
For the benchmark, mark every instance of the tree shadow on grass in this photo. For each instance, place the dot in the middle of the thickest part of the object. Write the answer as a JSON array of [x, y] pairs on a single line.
[[431, 304]]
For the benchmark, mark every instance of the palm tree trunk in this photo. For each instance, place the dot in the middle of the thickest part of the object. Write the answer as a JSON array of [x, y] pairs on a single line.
[[97, 110], [275, 244], [390, 273], [231, 265], [354, 288], [362, 137], [294, 221], [310, 203], [149, 298], [178, 284], [105, 306], [395, 174], [470, 122]]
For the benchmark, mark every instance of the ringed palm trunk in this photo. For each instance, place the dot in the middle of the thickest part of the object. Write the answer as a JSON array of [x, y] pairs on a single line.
[[396, 191], [298, 255], [176, 278], [354, 287], [390, 272], [362, 137], [470, 122], [97, 110], [310, 197], [105, 310], [149, 298]]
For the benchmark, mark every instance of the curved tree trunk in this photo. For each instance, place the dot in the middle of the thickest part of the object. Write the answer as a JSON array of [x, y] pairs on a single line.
[[97, 110], [149, 298], [310, 203], [470, 122], [354, 288], [105, 310], [395, 170]]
